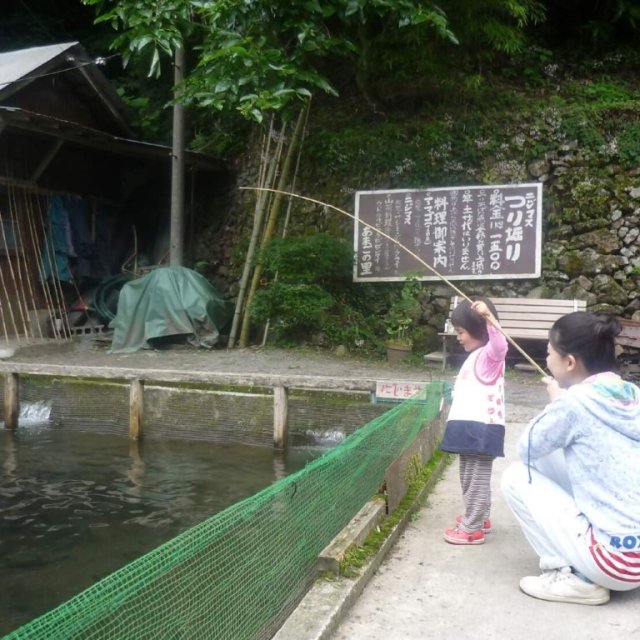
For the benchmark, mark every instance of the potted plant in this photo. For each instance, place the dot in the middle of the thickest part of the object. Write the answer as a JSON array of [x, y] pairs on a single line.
[[399, 320]]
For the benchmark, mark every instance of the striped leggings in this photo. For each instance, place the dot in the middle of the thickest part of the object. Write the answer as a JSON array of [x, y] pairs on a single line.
[[475, 481]]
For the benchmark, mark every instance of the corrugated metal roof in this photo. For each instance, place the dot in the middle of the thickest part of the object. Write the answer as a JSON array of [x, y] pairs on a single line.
[[15, 65]]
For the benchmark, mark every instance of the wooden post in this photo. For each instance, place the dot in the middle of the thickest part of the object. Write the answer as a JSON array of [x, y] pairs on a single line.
[[136, 409], [280, 413], [11, 400]]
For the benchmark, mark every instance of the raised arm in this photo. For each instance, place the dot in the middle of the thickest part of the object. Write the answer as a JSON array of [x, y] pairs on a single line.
[[491, 359]]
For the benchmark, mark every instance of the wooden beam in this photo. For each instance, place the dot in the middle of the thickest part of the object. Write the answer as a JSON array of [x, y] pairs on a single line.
[[280, 417], [11, 400], [116, 113], [27, 185], [46, 161], [136, 409], [178, 376]]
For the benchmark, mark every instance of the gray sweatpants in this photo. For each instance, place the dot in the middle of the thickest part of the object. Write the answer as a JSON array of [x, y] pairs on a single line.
[[552, 522]]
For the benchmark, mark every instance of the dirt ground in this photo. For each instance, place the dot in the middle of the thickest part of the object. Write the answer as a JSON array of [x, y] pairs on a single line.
[[522, 388]]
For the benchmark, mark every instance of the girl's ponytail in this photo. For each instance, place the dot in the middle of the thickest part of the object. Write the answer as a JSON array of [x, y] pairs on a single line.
[[589, 337], [606, 327]]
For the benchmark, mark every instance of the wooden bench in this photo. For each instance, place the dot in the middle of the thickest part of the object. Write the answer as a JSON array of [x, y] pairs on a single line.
[[629, 349], [630, 334], [521, 318]]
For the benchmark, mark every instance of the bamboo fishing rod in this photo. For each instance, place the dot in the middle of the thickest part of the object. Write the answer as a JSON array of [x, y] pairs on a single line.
[[46, 225], [39, 260], [522, 352], [5, 291], [21, 259]]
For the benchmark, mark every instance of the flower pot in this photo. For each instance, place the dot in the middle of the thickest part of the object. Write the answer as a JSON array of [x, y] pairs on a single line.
[[397, 352]]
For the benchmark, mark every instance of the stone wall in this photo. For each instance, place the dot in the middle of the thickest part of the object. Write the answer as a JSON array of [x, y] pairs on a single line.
[[590, 250]]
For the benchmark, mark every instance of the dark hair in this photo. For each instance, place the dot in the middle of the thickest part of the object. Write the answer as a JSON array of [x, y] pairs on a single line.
[[588, 336], [473, 323]]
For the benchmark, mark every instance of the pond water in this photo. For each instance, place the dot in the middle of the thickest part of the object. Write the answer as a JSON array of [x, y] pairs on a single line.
[[76, 506]]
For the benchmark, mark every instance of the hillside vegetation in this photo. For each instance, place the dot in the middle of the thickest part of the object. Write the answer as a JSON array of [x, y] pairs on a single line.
[[392, 94], [573, 126]]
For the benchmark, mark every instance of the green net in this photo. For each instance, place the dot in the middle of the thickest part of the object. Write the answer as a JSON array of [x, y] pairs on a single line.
[[240, 573]]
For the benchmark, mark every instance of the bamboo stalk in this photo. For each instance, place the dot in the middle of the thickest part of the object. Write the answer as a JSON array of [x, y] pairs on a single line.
[[257, 225], [262, 172], [6, 294], [55, 276], [289, 204], [4, 324], [38, 257], [27, 267], [20, 257], [49, 282], [270, 227], [413, 255], [14, 281]]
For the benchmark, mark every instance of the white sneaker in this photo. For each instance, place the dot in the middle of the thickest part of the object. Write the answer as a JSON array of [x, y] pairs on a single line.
[[560, 585]]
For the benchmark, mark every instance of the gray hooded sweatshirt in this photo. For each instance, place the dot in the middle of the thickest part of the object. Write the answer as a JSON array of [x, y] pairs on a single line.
[[597, 424]]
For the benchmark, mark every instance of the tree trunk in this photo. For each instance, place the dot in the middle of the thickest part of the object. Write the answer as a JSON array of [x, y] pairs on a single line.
[[176, 233]]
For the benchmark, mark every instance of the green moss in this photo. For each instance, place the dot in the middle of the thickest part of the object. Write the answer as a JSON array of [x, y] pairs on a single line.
[[629, 146], [357, 557], [573, 263]]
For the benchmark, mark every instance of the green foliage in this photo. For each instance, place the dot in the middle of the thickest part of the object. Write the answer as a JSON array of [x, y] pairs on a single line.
[[404, 312], [311, 271], [316, 259], [256, 57], [531, 64], [351, 328], [584, 130], [629, 146], [148, 117], [262, 57], [601, 93], [156, 25], [489, 27], [294, 310]]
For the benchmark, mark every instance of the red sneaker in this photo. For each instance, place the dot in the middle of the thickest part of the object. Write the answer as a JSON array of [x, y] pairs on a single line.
[[455, 535], [486, 525]]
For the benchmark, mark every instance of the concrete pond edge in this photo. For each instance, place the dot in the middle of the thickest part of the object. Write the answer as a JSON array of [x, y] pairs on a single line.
[[324, 606]]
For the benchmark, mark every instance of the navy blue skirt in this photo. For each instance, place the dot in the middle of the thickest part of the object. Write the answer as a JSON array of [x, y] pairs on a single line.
[[467, 436]]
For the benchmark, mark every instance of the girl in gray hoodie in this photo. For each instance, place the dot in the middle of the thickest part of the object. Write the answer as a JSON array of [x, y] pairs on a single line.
[[576, 492]]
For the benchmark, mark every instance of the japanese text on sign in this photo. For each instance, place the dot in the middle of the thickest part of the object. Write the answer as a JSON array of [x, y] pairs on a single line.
[[464, 233], [388, 390]]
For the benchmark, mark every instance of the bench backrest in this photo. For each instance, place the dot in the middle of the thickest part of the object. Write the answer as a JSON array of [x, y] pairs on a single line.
[[528, 318], [630, 335]]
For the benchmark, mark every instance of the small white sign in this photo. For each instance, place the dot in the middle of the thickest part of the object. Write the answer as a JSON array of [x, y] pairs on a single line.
[[389, 390]]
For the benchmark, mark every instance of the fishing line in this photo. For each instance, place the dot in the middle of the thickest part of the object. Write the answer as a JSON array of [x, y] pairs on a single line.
[[529, 359]]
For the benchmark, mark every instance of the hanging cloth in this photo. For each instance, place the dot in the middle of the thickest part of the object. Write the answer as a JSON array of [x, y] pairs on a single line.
[[57, 242]]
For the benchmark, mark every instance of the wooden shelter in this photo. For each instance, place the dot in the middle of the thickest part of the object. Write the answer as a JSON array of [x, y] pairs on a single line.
[[65, 143]]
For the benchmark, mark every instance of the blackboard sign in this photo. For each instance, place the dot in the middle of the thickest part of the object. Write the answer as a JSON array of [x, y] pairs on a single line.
[[464, 233]]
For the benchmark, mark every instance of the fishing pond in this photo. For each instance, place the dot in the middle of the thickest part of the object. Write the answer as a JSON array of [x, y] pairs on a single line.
[[75, 506]]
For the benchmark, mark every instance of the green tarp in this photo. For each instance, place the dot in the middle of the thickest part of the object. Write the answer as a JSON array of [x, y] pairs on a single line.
[[168, 301]]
